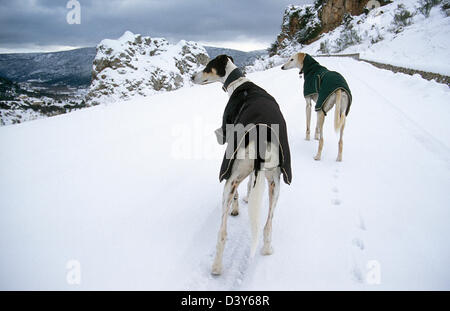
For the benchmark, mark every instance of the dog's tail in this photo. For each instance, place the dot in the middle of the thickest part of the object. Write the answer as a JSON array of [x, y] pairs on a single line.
[[254, 207], [339, 117]]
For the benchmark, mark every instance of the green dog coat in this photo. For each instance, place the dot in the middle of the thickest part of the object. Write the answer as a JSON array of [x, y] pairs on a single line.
[[319, 80]]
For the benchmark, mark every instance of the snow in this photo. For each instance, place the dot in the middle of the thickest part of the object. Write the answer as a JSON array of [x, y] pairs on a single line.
[[109, 187], [265, 62]]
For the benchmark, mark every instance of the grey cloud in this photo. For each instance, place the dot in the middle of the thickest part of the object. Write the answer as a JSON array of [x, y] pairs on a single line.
[[44, 22]]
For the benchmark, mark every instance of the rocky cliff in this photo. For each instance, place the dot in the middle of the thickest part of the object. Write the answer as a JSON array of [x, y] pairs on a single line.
[[332, 11], [137, 65], [304, 24], [300, 25]]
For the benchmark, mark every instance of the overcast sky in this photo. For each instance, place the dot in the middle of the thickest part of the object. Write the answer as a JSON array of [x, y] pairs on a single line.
[[40, 25]]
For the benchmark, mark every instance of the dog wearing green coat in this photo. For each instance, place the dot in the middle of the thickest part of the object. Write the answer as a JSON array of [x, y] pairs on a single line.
[[327, 89]]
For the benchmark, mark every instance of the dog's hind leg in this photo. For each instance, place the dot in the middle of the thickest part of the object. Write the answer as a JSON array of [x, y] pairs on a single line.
[[241, 169], [341, 142], [317, 131], [308, 117], [320, 120], [235, 204], [249, 188], [228, 194], [341, 109], [273, 179]]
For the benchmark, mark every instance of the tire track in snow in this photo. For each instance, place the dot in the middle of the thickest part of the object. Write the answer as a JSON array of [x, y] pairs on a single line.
[[236, 256]]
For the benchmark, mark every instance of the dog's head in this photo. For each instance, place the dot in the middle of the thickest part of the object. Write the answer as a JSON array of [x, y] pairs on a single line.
[[214, 71], [295, 61]]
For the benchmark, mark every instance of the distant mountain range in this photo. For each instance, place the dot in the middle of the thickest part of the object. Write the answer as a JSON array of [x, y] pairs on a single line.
[[74, 68], [241, 58]]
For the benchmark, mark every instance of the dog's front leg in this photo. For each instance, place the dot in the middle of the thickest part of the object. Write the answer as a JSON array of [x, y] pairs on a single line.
[[228, 194], [308, 117], [273, 177]]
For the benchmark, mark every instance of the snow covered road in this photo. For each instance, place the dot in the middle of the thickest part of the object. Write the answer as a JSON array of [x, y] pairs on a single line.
[[92, 186]]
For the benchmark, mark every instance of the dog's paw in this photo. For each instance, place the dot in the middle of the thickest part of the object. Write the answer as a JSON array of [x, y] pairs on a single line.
[[216, 270], [317, 158], [234, 213], [307, 137], [339, 159], [267, 250]]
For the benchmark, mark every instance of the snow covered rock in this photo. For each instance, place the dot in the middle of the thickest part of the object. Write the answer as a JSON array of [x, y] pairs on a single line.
[[137, 65], [300, 25], [333, 11]]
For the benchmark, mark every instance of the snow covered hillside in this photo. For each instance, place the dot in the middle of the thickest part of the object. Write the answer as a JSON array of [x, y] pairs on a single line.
[[130, 192], [140, 65], [398, 34]]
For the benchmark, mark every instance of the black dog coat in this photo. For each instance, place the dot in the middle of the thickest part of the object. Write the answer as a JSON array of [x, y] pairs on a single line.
[[251, 105]]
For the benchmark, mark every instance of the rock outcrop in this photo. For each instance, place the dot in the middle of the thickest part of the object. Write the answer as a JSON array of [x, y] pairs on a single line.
[[300, 24], [333, 11], [137, 65], [304, 24]]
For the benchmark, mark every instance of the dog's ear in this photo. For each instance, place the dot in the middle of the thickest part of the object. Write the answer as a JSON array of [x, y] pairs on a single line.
[[221, 64], [300, 57]]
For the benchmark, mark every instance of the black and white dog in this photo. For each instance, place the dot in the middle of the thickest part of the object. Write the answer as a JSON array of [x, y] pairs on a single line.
[[257, 145]]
